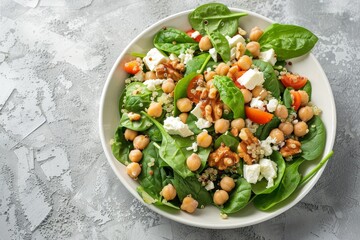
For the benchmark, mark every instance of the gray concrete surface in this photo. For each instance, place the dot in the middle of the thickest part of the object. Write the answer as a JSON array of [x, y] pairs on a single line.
[[55, 182]]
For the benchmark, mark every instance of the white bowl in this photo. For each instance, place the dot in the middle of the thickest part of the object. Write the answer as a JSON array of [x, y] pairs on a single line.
[[209, 217]]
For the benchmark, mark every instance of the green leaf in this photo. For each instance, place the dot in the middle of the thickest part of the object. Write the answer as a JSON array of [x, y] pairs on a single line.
[[271, 82], [151, 200], [190, 121], [239, 198], [215, 17], [229, 140], [263, 131], [308, 89], [313, 143], [191, 186], [288, 41], [260, 187], [174, 41], [287, 98], [137, 97], [230, 95], [140, 125], [288, 185], [181, 90], [195, 64], [121, 147], [221, 45], [154, 133]]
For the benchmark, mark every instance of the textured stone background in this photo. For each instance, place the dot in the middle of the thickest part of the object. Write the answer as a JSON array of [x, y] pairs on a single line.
[[55, 182]]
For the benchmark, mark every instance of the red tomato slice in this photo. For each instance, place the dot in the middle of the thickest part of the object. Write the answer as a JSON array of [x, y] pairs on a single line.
[[132, 67], [192, 93], [236, 76], [296, 99], [191, 32], [294, 81], [257, 115]]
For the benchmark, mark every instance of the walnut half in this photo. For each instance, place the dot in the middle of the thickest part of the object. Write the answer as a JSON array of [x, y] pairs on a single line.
[[223, 158], [249, 148], [291, 148]]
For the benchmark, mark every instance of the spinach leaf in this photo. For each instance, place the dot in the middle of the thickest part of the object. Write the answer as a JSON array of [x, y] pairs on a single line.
[[120, 147], [288, 41], [313, 143], [263, 131], [137, 97], [191, 186], [239, 198], [171, 152], [228, 140], [260, 187], [174, 41], [151, 200], [215, 17], [121, 101], [190, 121], [152, 183], [230, 95], [154, 133], [308, 89], [288, 185], [221, 45], [287, 98], [181, 90], [196, 64], [271, 81], [141, 125]]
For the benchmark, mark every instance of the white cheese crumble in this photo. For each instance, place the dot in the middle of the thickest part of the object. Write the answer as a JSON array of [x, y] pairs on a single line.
[[251, 78], [153, 83], [268, 170], [233, 53], [213, 54], [193, 147], [153, 58], [197, 111], [266, 145], [271, 106], [174, 126], [173, 57], [268, 56], [195, 34], [186, 56], [209, 186], [257, 103], [251, 173], [233, 41], [202, 123]]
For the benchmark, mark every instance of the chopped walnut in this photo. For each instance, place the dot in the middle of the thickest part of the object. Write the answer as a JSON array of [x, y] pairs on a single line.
[[240, 50], [291, 148], [249, 148], [222, 158], [170, 69], [212, 109], [134, 116]]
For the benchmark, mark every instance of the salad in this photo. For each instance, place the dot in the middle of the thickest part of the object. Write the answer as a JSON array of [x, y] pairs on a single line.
[[212, 116]]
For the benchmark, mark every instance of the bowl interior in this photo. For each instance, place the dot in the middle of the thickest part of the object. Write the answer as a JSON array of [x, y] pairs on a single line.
[[209, 217]]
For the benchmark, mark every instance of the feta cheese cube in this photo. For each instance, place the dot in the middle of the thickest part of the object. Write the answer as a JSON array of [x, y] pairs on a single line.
[[186, 56], [151, 84], [174, 126], [268, 56], [213, 54], [257, 103], [268, 170], [271, 106], [232, 53], [251, 173], [153, 58], [251, 78], [197, 111], [266, 145], [202, 123], [235, 40]]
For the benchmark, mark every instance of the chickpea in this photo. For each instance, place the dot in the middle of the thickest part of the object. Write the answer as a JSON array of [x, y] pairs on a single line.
[[277, 134], [234, 132], [135, 155], [189, 204], [150, 75], [238, 123], [183, 117], [168, 85], [232, 72], [260, 92], [155, 109], [254, 48], [193, 162], [204, 139], [184, 104], [141, 142], [304, 97], [306, 113], [209, 75], [130, 134], [247, 95], [168, 192], [255, 34], [244, 62], [221, 125], [205, 43], [286, 127], [222, 69], [220, 197], [300, 129], [227, 183], [133, 169], [281, 111]]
